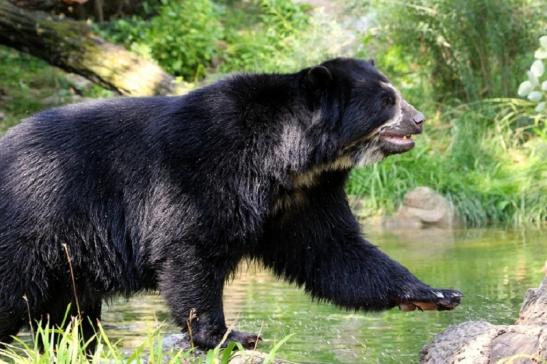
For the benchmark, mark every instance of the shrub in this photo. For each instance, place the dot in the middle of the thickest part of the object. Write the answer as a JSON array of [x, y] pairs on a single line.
[[266, 44], [183, 37], [467, 49]]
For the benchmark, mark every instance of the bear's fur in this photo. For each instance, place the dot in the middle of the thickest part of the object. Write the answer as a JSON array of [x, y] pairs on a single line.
[[171, 193]]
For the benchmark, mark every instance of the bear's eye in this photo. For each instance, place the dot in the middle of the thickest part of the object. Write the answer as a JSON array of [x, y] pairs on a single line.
[[388, 100]]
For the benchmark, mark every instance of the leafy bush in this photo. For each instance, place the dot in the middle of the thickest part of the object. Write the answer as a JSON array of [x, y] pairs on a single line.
[[183, 37], [467, 49], [483, 150], [195, 38], [266, 44]]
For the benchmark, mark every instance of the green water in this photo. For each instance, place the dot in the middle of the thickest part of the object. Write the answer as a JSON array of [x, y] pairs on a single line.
[[493, 268]]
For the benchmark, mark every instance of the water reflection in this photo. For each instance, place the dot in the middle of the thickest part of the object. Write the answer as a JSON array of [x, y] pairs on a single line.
[[492, 267]]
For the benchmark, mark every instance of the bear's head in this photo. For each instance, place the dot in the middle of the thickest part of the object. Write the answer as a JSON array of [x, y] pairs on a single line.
[[359, 117]]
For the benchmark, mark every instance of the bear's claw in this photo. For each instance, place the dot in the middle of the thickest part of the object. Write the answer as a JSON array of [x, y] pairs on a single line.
[[434, 299]]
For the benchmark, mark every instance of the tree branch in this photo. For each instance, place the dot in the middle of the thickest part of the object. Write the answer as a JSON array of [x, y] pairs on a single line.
[[72, 46]]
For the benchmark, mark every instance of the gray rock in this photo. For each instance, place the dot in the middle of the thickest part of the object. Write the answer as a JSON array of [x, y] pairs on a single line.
[[53, 100], [78, 82], [182, 342], [479, 342], [423, 208]]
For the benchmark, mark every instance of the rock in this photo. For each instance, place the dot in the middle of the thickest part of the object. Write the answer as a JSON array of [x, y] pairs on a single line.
[[423, 208], [78, 98], [181, 342], [534, 308], [53, 100], [251, 357], [80, 83], [479, 342]]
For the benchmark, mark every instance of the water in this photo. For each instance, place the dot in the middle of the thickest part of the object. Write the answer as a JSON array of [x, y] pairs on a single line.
[[493, 268]]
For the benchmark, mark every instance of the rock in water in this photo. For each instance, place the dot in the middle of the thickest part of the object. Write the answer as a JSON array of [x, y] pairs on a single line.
[[479, 342], [182, 342]]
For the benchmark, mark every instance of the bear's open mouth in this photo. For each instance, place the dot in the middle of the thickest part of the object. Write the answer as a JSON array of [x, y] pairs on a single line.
[[393, 142]]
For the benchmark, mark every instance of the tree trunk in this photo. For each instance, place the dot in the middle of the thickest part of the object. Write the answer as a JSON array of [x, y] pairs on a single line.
[[72, 46], [87, 9]]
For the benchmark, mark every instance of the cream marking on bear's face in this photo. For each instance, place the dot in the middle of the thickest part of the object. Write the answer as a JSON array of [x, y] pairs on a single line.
[[370, 154], [398, 117]]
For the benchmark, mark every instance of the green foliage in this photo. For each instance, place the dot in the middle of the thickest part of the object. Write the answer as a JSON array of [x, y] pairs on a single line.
[[467, 49], [535, 88], [28, 85], [183, 37], [453, 59], [24, 80], [195, 38], [266, 44], [66, 346], [492, 165]]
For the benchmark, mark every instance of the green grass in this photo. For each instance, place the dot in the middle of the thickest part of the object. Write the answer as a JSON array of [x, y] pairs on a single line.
[[28, 85], [24, 82], [488, 158], [461, 63], [65, 346]]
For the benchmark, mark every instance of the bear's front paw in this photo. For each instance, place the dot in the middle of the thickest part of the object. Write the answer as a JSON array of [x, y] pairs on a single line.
[[430, 299]]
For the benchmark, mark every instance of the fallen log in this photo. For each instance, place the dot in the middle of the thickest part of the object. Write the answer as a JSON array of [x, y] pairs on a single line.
[[72, 46]]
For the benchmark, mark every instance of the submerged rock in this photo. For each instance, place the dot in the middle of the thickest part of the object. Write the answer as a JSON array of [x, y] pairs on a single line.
[[479, 342], [423, 208], [182, 342]]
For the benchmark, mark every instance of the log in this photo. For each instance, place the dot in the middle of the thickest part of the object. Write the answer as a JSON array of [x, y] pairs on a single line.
[[479, 342], [87, 9], [72, 46]]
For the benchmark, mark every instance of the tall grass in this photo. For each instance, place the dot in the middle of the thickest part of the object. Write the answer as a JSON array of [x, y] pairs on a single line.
[[470, 49], [461, 63], [490, 161], [66, 346]]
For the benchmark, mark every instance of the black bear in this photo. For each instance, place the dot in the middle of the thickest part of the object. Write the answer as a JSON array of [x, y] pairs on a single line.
[[171, 193]]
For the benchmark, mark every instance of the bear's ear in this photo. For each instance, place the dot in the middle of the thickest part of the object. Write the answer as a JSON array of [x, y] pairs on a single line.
[[319, 76], [371, 61]]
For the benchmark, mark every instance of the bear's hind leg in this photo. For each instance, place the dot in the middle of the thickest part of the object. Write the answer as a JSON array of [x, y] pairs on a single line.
[[91, 315], [61, 309], [10, 324], [193, 289]]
